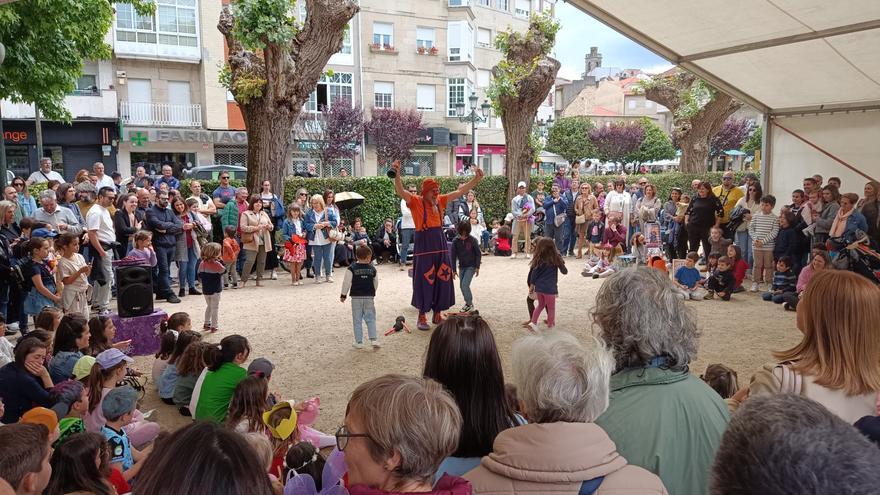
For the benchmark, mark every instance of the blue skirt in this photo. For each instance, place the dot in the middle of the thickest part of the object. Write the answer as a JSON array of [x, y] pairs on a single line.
[[35, 302]]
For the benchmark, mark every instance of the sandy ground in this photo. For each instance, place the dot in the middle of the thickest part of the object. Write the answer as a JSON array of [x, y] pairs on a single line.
[[306, 332]]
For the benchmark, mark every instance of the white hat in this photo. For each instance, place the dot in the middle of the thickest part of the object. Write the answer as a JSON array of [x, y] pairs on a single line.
[[521, 184]]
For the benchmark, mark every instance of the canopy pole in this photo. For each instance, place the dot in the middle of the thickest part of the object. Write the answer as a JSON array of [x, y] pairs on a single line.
[[823, 151]]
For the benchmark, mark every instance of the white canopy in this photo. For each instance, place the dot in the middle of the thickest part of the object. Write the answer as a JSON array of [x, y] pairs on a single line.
[[811, 66]]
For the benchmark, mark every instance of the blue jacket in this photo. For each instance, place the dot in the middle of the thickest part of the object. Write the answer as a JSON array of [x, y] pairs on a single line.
[[173, 183], [552, 209], [309, 221], [856, 221], [545, 278], [288, 229], [163, 219], [20, 392]]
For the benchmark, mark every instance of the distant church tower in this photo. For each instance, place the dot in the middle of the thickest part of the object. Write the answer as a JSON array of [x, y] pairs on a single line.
[[593, 59]]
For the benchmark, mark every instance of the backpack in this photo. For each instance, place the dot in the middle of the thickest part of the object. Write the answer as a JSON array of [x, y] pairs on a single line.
[[590, 486], [21, 273]]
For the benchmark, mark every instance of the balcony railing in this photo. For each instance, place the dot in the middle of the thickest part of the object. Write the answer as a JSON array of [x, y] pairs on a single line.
[[160, 114]]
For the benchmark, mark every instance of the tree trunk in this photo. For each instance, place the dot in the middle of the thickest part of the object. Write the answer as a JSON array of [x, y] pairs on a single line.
[[269, 141], [694, 152], [519, 160]]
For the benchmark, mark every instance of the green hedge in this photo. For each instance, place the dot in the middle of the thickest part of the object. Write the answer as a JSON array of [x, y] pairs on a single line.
[[382, 202]]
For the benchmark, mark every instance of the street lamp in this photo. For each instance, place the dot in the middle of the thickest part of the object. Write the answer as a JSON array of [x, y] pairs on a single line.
[[473, 117]]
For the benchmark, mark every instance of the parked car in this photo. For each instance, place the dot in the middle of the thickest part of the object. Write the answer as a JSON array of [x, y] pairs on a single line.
[[212, 172]]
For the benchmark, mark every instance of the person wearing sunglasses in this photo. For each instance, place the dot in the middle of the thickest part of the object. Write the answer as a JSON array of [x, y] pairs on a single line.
[[224, 192], [27, 205], [728, 194], [397, 431]]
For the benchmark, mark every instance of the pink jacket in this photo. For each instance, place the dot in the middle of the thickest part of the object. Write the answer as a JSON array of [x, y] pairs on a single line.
[[557, 458]]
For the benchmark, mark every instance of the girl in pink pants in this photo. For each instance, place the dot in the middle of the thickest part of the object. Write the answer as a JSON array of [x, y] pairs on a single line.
[[543, 279]]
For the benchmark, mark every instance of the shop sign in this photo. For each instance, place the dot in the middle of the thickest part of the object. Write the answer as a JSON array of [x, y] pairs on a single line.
[[481, 150], [306, 145], [140, 138], [15, 136]]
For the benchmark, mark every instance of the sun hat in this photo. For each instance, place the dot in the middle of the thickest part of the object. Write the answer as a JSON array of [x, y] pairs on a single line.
[[111, 357], [83, 367]]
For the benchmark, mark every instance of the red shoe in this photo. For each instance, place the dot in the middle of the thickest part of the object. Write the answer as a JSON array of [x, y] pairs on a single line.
[[438, 318], [423, 322], [214, 329]]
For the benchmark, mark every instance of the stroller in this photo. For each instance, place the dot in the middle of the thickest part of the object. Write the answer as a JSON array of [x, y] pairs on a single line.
[[854, 252]]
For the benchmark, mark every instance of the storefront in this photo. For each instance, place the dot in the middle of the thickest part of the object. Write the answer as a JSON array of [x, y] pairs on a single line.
[[490, 157], [308, 151], [71, 147], [430, 155], [152, 148]]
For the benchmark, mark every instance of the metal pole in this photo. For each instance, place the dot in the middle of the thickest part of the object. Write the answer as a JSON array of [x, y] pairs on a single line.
[[474, 140], [39, 129], [2, 153]]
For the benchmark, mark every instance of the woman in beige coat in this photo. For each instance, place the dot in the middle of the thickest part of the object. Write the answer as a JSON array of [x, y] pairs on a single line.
[[584, 206], [256, 236], [564, 389]]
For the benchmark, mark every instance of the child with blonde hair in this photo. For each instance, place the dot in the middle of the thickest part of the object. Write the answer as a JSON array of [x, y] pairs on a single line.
[[143, 248], [295, 241], [230, 255], [211, 272]]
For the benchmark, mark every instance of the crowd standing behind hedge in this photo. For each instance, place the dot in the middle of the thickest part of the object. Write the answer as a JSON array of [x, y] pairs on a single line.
[[382, 203]]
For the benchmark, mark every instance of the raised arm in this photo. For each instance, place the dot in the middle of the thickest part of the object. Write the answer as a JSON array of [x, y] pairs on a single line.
[[398, 184], [464, 188]]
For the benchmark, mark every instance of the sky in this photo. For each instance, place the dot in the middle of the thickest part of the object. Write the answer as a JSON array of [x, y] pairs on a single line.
[[579, 32]]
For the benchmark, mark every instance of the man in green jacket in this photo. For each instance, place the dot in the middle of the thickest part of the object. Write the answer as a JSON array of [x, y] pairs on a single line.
[[660, 416]]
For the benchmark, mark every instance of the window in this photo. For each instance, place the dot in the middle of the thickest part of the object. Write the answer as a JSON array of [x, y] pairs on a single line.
[[330, 90], [484, 78], [425, 38], [133, 27], [174, 24], [523, 8], [425, 97], [346, 40], [383, 34], [631, 104], [502, 5], [383, 94], [86, 85], [484, 37], [461, 41], [484, 3], [458, 89], [458, 3]]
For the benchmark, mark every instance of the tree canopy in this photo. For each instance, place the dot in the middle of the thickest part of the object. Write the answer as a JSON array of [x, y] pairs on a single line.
[[568, 138], [47, 42], [754, 141], [731, 136], [394, 132], [614, 143], [655, 146]]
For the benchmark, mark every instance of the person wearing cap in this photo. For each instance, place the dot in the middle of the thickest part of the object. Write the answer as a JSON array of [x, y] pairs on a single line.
[[728, 194], [261, 367], [71, 403], [432, 270], [59, 218], [45, 417], [522, 208], [119, 406], [109, 369], [83, 367]]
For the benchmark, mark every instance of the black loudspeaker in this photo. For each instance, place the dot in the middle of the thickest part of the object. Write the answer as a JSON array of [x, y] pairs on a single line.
[[134, 291]]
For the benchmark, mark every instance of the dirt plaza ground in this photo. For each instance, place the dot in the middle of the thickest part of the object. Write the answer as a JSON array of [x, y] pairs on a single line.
[[306, 332]]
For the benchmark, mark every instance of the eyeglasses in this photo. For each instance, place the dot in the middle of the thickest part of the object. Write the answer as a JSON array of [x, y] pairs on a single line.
[[303, 194], [224, 177], [18, 184], [727, 178], [752, 189], [342, 436], [643, 183]]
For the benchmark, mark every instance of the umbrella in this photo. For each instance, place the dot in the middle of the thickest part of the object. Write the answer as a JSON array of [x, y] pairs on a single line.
[[348, 200]]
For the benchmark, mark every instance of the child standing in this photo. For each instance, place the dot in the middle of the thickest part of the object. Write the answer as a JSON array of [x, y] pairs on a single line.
[[595, 231], [543, 279], [294, 242], [211, 272], [143, 248], [361, 281], [43, 291], [763, 230], [230, 255], [722, 281], [688, 280], [118, 407], [465, 249], [73, 272], [784, 281]]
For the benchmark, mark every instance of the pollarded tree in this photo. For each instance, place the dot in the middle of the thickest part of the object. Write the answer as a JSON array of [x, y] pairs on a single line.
[[698, 112], [614, 143], [568, 138], [273, 65], [655, 146], [394, 132], [521, 82]]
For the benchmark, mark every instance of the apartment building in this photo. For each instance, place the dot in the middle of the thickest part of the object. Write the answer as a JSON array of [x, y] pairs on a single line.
[[431, 55]]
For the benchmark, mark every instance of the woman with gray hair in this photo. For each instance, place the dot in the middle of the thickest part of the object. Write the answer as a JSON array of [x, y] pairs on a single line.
[[562, 450], [661, 417], [397, 431]]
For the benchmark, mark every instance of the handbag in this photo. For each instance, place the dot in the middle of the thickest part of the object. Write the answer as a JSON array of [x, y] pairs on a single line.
[[246, 237], [559, 219], [334, 234], [580, 219]]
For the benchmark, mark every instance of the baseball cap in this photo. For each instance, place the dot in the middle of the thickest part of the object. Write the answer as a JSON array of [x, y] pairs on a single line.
[[83, 367], [66, 394], [521, 184], [261, 367], [119, 401], [43, 233], [41, 416], [111, 357]]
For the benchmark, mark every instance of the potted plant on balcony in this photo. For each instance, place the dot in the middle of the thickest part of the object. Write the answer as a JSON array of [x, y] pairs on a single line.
[[434, 50], [387, 47], [421, 50], [375, 46]]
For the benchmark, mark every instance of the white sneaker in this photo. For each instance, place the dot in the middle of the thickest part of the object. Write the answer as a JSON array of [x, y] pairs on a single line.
[[528, 256], [376, 344], [329, 280], [533, 327], [513, 256], [754, 287], [317, 280], [274, 275], [357, 345]]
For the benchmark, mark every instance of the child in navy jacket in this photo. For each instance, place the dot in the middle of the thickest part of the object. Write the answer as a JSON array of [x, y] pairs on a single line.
[[466, 250], [543, 278]]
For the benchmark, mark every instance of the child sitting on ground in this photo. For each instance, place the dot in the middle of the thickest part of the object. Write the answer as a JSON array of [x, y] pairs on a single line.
[[721, 282], [614, 237], [168, 331], [739, 267], [361, 281], [168, 379], [304, 459], [717, 242], [639, 250], [711, 264], [603, 267], [688, 280], [502, 245], [71, 403], [189, 367], [247, 406], [465, 254], [118, 407], [722, 379], [784, 282], [595, 231]]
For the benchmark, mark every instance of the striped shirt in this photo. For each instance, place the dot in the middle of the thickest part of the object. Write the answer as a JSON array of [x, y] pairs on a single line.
[[764, 228], [785, 281]]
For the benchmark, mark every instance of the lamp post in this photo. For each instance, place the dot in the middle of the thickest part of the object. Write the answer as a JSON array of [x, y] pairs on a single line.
[[473, 117]]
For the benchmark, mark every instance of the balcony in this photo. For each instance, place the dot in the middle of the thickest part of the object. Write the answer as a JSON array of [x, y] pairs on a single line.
[[160, 114], [98, 104]]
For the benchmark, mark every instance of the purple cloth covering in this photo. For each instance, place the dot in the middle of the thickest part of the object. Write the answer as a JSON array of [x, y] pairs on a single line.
[[433, 288], [142, 330]]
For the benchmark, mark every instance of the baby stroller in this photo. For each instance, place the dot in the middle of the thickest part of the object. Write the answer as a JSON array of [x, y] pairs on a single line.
[[854, 252]]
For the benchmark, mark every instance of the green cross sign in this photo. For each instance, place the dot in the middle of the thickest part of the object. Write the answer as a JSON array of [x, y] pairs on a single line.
[[138, 138]]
